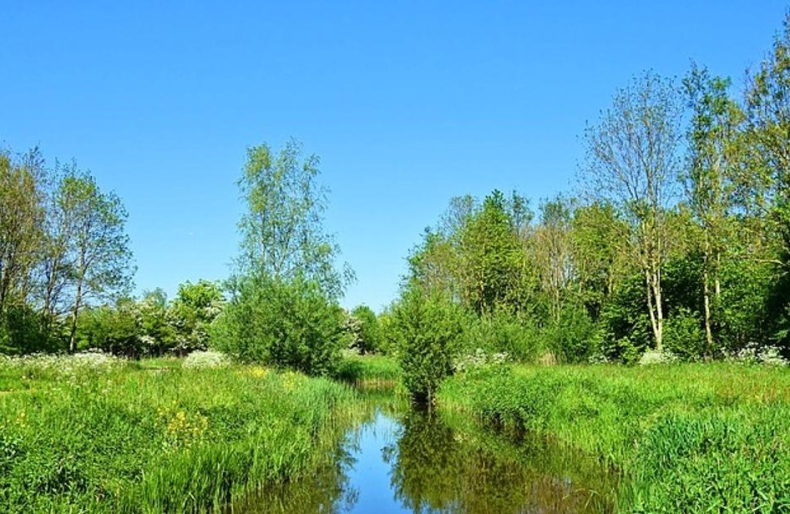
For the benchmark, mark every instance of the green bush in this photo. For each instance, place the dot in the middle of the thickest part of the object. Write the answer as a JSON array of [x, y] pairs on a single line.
[[684, 335], [571, 340], [283, 324], [364, 329], [24, 330], [427, 331], [503, 332]]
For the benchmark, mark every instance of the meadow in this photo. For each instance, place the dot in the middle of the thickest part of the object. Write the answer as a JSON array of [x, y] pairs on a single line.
[[682, 437], [93, 433], [98, 434]]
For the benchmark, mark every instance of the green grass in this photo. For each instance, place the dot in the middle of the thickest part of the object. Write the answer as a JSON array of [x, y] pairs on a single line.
[[369, 370], [118, 438], [686, 438]]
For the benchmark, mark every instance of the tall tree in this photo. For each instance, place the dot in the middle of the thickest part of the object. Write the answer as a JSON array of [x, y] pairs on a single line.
[[554, 252], [600, 255], [99, 250], [768, 109], [491, 256], [283, 234], [632, 161], [21, 220], [714, 154]]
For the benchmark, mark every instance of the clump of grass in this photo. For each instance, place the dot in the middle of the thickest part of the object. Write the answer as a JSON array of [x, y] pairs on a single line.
[[125, 440], [685, 437]]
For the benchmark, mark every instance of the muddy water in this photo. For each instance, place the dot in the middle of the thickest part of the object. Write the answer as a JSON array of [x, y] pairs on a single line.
[[421, 462]]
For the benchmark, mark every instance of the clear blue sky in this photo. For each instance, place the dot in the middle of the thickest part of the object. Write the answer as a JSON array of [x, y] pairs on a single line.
[[407, 103]]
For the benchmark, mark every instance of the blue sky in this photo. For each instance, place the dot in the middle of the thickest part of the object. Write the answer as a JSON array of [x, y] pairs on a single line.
[[407, 103]]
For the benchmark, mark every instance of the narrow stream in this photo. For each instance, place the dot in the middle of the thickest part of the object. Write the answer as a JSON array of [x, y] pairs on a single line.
[[420, 462]]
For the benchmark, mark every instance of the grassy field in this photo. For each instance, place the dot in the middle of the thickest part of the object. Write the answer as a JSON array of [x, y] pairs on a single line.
[[92, 434], [685, 438]]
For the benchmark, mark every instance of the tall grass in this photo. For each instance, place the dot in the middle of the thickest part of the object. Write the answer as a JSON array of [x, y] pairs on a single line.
[[369, 370], [116, 437], [686, 438]]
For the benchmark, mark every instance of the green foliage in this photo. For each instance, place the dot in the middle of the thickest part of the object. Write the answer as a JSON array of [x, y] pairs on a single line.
[[283, 324], [364, 330], [503, 332], [426, 331], [571, 339], [685, 336], [24, 330], [491, 258], [194, 309], [112, 329], [624, 329], [283, 236], [126, 440]]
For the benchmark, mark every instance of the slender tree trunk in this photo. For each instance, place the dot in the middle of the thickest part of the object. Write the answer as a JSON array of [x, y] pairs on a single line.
[[650, 309], [74, 313], [706, 296]]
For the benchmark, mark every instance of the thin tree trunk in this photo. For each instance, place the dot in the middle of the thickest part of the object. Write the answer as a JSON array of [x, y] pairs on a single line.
[[74, 313], [652, 311]]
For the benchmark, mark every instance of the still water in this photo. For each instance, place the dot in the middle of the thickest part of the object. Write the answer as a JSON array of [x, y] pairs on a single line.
[[421, 462]]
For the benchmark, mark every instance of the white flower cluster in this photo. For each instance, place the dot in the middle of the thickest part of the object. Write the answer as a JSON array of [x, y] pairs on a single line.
[[478, 359], [655, 357], [207, 359], [755, 354], [62, 364]]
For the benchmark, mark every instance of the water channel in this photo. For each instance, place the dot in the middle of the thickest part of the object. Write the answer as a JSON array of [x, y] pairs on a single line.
[[402, 460]]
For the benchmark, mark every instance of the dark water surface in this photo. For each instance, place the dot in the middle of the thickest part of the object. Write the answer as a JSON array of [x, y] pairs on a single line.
[[422, 462]]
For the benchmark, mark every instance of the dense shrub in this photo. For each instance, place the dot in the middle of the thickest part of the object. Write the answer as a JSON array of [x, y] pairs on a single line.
[[24, 330], [684, 335], [503, 332], [364, 330], [426, 330], [287, 324]]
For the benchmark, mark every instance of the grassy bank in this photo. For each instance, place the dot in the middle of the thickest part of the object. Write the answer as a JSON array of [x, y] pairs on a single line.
[[369, 370], [686, 438], [94, 434]]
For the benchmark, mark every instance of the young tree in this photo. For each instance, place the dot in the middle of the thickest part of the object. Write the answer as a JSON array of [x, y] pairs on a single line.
[[491, 256], [553, 252], [193, 311], [366, 333], [709, 180], [600, 239], [283, 235], [632, 161], [426, 330], [283, 304], [768, 109]]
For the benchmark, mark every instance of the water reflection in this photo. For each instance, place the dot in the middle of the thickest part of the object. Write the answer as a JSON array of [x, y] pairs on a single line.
[[422, 462]]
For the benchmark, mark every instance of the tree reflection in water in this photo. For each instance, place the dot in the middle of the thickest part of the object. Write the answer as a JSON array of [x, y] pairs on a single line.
[[422, 462]]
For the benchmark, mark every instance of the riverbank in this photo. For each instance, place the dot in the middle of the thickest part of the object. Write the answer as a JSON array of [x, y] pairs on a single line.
[[98, 434], [685, 437]]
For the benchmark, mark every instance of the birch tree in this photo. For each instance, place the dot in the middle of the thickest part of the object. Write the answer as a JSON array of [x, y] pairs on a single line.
[[632, 161]]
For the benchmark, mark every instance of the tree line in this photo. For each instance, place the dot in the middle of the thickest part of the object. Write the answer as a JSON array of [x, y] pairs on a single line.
[[62, 247], [676, 241], [677, 238]]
